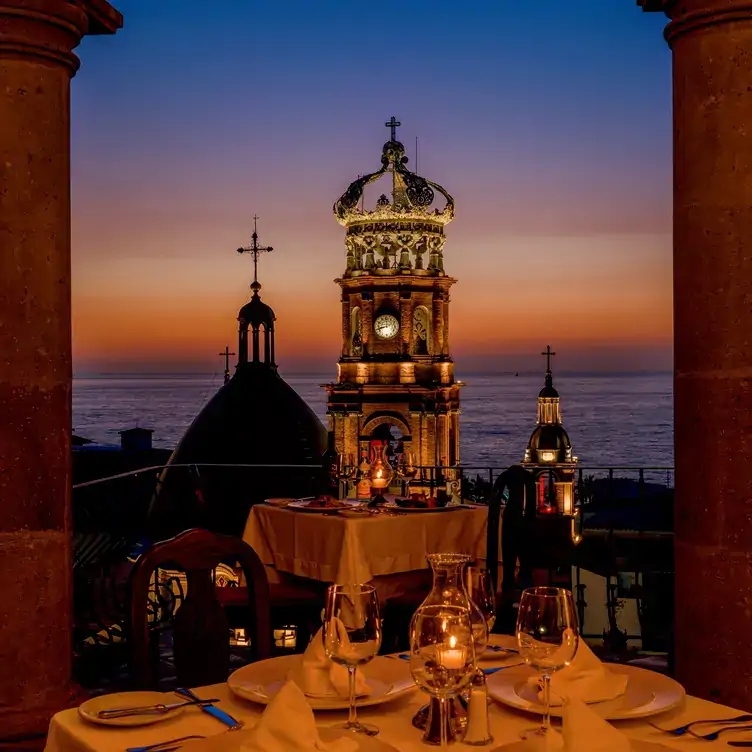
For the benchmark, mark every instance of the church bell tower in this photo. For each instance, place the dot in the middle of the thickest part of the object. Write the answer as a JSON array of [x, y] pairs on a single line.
[[395, 373]]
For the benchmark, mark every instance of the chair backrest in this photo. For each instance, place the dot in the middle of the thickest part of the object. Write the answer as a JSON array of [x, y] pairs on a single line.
[[201, 642], [520, 507]]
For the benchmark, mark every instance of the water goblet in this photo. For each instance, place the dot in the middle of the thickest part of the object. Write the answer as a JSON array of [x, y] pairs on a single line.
[[442, 655], [352, 637], [547, 639]]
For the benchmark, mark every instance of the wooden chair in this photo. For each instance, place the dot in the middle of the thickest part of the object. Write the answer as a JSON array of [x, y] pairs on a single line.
[[201, 644]]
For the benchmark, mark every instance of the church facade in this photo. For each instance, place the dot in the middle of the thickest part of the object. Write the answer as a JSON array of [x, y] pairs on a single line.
[[395, 372]]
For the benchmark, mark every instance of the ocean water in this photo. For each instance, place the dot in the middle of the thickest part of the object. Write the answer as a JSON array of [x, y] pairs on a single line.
[[612, 419]]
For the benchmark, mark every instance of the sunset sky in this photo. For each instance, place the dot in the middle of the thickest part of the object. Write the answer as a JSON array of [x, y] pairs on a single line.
[[549, 122]]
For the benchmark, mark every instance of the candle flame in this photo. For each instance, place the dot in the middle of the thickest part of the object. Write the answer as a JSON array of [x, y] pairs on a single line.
[[452, 642]]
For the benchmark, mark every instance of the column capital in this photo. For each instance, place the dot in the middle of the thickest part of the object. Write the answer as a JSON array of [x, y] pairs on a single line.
[[49, 30], [691, 15]]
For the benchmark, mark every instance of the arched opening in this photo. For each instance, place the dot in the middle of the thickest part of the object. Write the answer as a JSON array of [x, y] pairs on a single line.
[[391, 438], [356, 333], [546, 483], [421, 335]]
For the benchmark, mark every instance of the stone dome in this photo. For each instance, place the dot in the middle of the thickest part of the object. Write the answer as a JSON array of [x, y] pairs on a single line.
[[548, 391], [547, 439], [254, 419]]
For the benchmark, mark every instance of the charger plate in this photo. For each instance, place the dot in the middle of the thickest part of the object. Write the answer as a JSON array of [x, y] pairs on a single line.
[[259, 682], [648, 693]]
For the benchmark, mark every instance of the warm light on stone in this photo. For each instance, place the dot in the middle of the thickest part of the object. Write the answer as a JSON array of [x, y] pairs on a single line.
[[395, 366]]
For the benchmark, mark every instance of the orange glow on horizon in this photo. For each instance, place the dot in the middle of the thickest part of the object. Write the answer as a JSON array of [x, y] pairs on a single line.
[[611, 290]]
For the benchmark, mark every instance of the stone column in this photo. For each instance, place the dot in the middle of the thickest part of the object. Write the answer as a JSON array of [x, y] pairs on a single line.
[[36, 64], [346, 324], [711, 41], [438, 323]]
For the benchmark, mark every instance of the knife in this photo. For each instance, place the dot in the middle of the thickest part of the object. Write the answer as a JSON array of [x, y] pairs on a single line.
[[168, 746], [740, 744], [159, 709], [220, 715]]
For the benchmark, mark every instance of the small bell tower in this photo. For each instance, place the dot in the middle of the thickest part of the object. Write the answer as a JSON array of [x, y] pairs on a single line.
[[256, 317]]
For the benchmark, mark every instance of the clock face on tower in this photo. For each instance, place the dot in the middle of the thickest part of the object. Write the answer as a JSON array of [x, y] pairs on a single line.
[[386, 326]]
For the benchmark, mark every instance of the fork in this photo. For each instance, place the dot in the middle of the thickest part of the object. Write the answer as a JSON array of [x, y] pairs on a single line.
[[501, 649], [681, 730], [166, 746]]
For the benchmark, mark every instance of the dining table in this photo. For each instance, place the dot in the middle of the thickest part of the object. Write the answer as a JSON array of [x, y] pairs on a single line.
[[331, 547], [69, 732]]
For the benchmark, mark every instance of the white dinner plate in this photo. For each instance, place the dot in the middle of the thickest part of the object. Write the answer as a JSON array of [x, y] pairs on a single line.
[[636, 745], [260, 682], [648, 693], [302, 506], [278, 502], [88, 711]]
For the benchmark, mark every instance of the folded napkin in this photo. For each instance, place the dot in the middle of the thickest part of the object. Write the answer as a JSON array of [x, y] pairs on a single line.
[[585, 731], [319, 676], [287, 725], [585, 679]]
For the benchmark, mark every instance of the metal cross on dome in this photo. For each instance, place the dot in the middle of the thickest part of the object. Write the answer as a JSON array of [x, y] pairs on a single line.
[[226, 355], [548, 355], [254, 248], [393, 123]]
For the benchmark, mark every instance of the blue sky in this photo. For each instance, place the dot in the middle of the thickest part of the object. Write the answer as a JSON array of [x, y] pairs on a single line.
[[549, 122]]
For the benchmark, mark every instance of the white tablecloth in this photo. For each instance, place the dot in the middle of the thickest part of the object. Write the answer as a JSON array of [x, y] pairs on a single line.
[[346, 550], [69, 733]]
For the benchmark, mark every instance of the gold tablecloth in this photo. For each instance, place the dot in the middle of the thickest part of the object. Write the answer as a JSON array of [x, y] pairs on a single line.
[[69, 733], [348, 550]]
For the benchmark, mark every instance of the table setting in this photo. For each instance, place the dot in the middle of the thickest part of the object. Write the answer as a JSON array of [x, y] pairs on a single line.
[[458, 685], [358, 543]]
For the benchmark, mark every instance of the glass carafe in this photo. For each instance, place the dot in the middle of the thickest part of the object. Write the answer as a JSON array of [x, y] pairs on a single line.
[[449, 590]]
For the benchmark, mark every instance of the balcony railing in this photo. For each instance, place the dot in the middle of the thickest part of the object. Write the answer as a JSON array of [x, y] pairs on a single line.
[[110, 521]]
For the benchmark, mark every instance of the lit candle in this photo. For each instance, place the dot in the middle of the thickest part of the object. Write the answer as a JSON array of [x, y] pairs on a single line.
[[452, 657]]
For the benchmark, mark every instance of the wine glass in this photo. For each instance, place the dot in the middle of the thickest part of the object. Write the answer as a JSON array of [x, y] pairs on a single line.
[[547, 638], [442, 654], [352, 637], [347, 470], [480, 590]]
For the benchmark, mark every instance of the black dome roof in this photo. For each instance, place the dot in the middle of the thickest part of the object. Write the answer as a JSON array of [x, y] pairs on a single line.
[[548, 391], [550, 437], [256, 418], [255, 312]]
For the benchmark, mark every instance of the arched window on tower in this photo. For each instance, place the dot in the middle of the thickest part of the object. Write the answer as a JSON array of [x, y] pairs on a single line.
[[421, 331], [356, 333]]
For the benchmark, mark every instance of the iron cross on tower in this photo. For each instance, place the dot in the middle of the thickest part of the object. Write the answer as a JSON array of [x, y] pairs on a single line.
[[393, 123], [548, 355], [226, 355], [254, 248]]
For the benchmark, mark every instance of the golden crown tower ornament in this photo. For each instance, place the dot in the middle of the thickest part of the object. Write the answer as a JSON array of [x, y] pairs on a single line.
[[399, 232]]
